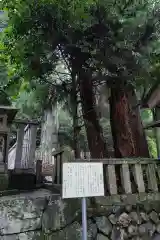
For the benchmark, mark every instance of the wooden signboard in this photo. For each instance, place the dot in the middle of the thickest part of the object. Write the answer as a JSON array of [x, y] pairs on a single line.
[[82, 180]]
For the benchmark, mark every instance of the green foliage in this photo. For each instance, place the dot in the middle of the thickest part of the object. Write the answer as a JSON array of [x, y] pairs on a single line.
[[147, 117], [117, 41], [118, 38], [31, 101], [152, 146], [66, 130], [4, 99]]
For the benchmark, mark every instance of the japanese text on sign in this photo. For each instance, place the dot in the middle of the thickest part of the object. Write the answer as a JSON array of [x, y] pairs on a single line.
[[82, 180]]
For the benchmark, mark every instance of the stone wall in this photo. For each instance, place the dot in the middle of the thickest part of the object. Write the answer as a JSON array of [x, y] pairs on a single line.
[[21, 215], [41, 215]]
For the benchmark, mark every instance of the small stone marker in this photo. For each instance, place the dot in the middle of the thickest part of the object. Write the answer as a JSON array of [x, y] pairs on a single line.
[[82, 179]]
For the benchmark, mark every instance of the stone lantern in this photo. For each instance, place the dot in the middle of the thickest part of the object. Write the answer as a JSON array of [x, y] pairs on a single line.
[[7, 115]]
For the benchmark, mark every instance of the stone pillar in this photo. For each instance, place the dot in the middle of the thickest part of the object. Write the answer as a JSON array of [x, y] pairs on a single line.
[[2, 148], [3, 152], [32, 148], [19, 146]]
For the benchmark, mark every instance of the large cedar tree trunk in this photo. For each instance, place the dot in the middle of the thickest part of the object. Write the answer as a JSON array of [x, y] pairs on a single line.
[[74, 102], [127, 130], [49, 134], [95, 138], [137, 126]]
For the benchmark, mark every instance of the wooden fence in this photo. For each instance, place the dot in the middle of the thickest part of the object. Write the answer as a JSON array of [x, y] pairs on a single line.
[[22, 154], [126, 176], [121, 176], [55, 171]]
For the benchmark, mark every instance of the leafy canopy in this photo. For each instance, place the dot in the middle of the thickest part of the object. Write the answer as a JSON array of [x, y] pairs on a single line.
[[117, 41]]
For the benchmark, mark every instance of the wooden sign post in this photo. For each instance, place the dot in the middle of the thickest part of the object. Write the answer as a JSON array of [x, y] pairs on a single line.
[[82, 180]]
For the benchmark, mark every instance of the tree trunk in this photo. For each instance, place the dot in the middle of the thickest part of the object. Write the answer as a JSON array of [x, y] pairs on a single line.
[[74, 106], [127, 130], [49, 134], [137, 126], [95, 138], [77, 151]]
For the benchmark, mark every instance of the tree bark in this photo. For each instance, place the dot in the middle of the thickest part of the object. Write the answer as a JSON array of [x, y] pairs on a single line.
[[95, 138], [136, 125], [74, 103], [49, 134], [127, 129]]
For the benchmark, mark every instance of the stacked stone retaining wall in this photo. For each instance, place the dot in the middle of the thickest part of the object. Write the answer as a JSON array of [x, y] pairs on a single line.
[[42, 215]]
